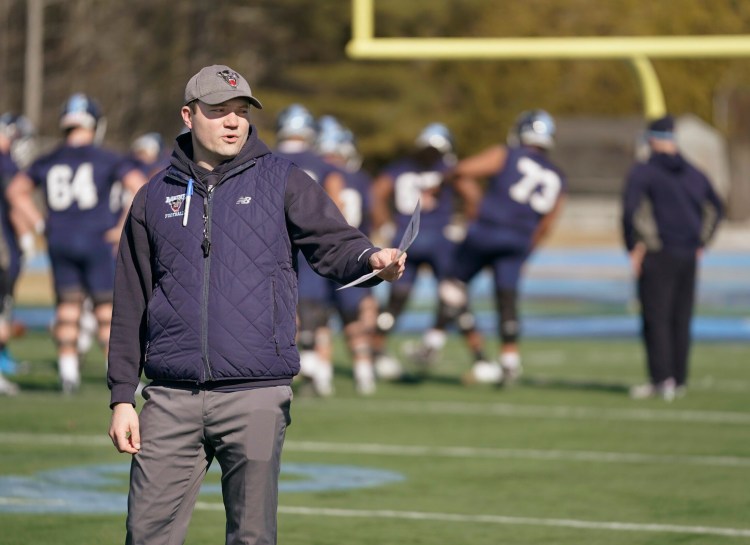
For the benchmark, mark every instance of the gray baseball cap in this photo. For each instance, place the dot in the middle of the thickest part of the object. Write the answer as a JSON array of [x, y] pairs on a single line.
[[216, 84]]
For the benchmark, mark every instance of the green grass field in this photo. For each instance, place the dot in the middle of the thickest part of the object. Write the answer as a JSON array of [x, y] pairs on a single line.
[[562, 458]]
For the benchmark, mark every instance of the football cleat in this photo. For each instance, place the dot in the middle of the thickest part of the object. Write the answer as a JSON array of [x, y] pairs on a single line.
[[7, 387], [666, 390], [484, 372], [388, 368], [422, 355]]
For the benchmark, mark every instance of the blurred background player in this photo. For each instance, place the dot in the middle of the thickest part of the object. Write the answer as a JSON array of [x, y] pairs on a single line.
[[296, 132], [357, 308], [148, 152], [396, 191], [670, 212], [76, 180], [16, 132], [524, 195]]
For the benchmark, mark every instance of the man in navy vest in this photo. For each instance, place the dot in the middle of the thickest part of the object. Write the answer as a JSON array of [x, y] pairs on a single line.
[[670, 212], [205, 306]]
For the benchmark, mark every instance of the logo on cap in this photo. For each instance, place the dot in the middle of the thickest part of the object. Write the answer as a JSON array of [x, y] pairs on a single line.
[[229, 76]]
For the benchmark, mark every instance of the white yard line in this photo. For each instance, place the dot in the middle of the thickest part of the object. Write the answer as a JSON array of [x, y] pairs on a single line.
[[521, 454], [532, 411], [425, 451], [501, 519], [55, 439]]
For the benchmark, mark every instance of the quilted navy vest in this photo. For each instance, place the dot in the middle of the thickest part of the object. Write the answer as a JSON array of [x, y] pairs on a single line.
[[224, 311]]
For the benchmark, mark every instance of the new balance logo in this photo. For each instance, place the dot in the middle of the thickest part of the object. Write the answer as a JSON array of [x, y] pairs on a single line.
[[244, 200]]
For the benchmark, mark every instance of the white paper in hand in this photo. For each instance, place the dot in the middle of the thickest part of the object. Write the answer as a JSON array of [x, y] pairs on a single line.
[[412, 230]]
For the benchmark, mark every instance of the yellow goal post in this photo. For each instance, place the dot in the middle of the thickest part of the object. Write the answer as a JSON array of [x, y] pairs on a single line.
[[638, 51]]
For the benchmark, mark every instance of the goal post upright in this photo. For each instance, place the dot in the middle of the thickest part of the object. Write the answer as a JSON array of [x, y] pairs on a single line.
[[636, 50]]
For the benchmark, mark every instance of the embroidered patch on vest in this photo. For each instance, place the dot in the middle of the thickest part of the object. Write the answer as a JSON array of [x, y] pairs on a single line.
[[175, 205]]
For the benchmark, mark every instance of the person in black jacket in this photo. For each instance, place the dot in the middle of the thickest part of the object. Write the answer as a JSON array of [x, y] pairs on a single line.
[[204, 305], [670, 211]]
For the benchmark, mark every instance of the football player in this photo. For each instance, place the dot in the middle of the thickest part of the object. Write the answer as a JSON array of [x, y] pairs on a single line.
[[15, 131], [148, 152], [419, 177], [78, 180], [524, 194], [296, 131], [357, 308]]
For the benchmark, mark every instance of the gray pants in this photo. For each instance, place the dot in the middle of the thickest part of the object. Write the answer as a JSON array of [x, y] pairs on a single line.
[[181, 432]]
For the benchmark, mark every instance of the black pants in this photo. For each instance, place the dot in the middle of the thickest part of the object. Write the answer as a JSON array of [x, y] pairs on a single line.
[[666, 289]]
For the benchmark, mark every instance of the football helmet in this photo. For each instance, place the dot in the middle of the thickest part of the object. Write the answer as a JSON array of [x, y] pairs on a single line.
[[330, 135], [295, 121], [150, 144], [16, 127], [535, 128], [80, 110], [436, 135], [20, 136], [335, 139]]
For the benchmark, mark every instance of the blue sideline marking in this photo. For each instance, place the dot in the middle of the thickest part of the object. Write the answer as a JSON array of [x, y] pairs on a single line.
[[591, 275]]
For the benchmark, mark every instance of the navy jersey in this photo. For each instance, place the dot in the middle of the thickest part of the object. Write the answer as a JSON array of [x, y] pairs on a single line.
[[8, 169], [310, 285], [356, 199], [310, 162], [411, 183], [150, 170], [522, 192], [82, 189], [11, 254]]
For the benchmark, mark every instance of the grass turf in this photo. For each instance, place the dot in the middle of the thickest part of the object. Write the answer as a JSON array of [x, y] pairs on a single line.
[[563, 457]]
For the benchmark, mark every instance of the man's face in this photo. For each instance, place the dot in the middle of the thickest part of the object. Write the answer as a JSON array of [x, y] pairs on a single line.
[[219, 131]]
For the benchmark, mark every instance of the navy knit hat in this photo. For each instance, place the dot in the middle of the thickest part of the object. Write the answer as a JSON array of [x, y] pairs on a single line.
[[662, 128]]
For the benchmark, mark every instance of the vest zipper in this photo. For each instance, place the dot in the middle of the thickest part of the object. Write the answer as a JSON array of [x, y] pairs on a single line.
[[206, 246]]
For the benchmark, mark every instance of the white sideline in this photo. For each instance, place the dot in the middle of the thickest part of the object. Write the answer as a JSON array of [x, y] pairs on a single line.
[[422, 450], [521, 454], [532, 411], [501, 519]]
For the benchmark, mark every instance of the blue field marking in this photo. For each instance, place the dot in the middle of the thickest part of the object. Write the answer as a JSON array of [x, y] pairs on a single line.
[[87, 489], [599, 276]]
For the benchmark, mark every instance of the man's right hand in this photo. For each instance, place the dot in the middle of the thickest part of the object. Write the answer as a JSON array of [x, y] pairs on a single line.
[[636, 258], [124, 428], [380, 261]]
